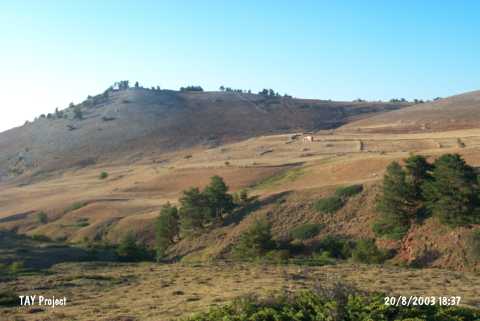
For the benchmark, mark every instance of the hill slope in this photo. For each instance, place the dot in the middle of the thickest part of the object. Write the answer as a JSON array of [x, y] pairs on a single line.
[[135, 121], [456, 112]]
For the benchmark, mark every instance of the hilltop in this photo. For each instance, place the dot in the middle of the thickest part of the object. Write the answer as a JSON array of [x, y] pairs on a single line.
[[131, 123], [455, 112]]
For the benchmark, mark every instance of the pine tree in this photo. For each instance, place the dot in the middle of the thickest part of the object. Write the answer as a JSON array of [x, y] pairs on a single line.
[[453, 193], [396, 204], [418, 172], [166, 229], [220, 202], [194, 211]]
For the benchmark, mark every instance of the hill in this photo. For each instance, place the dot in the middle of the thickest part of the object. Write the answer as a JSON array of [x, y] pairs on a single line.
[[456, 112], [134, 122]]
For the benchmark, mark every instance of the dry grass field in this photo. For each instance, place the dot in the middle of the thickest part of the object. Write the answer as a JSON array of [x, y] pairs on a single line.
[[159, 292], [285, 173]]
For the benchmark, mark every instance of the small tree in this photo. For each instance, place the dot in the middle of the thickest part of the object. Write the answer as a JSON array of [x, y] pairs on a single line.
[[103, 175], [77, 113], [255, 242], [42, 218], [166, 229], [129, 250]]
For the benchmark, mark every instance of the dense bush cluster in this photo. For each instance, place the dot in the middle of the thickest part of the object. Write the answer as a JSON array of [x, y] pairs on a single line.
[[257, 243], [447, 189], [340, 303]]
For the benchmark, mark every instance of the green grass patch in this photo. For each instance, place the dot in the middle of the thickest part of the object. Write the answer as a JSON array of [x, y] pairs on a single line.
[[349, 191], [286, 176], [329, 205], [306, 231]]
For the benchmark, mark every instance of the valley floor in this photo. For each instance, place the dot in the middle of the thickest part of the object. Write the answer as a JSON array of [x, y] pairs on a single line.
[[150, 291]]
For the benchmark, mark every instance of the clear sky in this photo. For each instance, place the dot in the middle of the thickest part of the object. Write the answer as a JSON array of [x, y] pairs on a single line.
[[55, 52]]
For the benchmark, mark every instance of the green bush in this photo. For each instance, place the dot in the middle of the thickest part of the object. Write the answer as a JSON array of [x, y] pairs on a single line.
[[16, 267], [366, 251], [340, 303], [349, 191], [390, 229], [255, 242], [277, 256], [41, 238], [306, 231], [130, 251], [336, 247], [103, 175], [329, 205], [42, 218]]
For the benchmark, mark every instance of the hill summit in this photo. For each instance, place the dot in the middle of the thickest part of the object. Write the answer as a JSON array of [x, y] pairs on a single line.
[[455, 112], [130, 121]]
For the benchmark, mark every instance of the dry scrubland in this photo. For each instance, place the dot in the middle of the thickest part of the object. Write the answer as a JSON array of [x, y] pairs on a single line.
[[286, 174], [150, 291]]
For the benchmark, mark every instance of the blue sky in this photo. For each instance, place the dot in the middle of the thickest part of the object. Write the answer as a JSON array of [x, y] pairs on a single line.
[[54, 52]]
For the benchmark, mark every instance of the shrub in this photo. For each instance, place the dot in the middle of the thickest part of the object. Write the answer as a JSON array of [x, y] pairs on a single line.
[[349, 191], [129, 251], [77, 113], [329, 205], [41, 238], [255, 242], [42, 218], [390, 229], [16, 267], [366, 251], [277, 256], [306, 231], [338, 303], [322, 258], [335, 246], [103, 175]]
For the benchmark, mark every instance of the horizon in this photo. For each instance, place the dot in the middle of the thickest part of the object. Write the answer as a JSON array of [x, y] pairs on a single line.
[[408, 49]]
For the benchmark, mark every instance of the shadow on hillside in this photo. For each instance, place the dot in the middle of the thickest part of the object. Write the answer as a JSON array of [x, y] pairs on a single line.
[[37, 254], [254, 204]]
